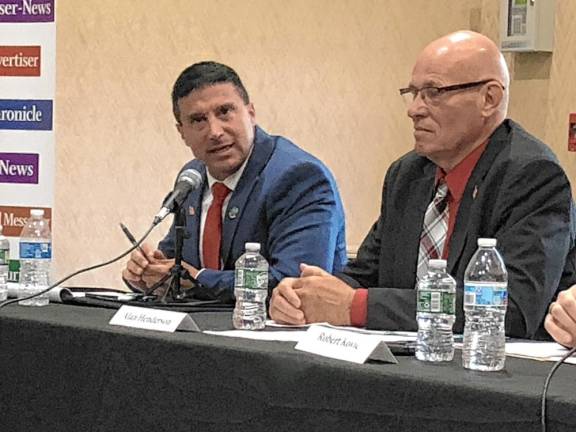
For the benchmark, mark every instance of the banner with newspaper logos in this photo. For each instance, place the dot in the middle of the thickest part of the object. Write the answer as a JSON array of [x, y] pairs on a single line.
[[27, 88]]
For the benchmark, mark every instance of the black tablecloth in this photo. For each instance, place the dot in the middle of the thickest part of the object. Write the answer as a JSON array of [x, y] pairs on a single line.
[[63, 368]]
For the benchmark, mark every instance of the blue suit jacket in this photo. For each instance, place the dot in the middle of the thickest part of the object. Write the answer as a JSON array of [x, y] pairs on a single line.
[[286, 200]]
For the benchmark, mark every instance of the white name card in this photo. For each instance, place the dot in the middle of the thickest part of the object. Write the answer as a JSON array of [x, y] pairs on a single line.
[[153, 319], [339, 344]]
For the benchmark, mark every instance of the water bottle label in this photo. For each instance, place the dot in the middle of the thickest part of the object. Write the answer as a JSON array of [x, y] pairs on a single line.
[[14, 271], [4, 257], [436, 302], [255, 279], [35, 250], [485, 295]]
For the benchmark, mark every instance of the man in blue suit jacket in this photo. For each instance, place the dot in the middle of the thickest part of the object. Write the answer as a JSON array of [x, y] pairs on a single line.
[[277, 194]]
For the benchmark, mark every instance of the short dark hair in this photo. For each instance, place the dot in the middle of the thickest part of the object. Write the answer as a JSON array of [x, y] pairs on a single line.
[[201, 75]]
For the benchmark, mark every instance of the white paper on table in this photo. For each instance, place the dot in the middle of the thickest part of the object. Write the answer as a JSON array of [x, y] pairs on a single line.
[[542, 351], [296, 333], [284, 336]]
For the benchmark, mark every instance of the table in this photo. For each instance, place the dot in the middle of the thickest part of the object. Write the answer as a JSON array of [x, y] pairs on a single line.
[[63, 368]]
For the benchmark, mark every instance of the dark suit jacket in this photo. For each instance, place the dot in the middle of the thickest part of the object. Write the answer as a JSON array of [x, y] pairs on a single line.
[[286, 200], [517, 193]]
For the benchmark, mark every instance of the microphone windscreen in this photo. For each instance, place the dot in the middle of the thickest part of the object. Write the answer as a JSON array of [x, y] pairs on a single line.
[[192, 177]]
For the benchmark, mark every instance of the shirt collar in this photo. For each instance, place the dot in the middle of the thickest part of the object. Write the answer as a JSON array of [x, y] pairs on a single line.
[[457, 178], [231, 181]]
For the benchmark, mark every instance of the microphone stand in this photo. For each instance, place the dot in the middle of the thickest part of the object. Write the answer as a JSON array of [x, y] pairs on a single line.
[[174, 294], [174, 291]]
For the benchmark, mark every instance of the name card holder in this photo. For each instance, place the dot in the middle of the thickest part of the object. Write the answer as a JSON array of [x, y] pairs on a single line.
[[345, 345], [153, 319]]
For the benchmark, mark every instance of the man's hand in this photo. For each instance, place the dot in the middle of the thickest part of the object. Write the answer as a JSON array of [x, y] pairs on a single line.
[[316, 296], [158, 267], [191, 269], [145, 270], [561, 319], [323, 297], [137, 264], [161, 267], [285, 304]]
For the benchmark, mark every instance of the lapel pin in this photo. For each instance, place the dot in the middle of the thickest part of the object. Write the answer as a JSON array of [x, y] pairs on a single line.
[[191, 211], [233, 212], [475, 192]]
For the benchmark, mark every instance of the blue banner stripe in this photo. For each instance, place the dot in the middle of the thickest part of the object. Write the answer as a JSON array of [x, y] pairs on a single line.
[[25, 114]]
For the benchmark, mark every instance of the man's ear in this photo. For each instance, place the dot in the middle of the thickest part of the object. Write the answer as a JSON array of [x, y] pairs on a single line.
[[252, 113], [492, 98], [179, 128]]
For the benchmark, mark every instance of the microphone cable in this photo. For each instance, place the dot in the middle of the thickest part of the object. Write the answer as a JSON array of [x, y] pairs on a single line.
[[547, 384], [84, 270]]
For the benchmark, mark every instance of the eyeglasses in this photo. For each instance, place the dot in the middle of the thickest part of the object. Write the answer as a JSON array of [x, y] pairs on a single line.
[[431, 94]]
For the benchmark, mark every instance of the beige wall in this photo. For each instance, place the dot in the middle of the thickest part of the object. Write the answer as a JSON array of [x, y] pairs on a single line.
[[324, 73]]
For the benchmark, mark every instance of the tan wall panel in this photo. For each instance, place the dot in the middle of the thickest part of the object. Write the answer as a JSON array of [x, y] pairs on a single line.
[[543, 92], [562, 87], [324, 73]]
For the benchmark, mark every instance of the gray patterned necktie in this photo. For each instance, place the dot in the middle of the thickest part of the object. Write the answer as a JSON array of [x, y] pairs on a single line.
[[434, 229]]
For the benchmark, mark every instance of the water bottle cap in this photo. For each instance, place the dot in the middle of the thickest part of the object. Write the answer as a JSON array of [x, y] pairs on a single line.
[[252, 247], [487, 242], [437, 264], [37, 212]]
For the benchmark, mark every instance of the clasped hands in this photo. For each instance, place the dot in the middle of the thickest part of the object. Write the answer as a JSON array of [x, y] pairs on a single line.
[[316, 296], [148, 265]]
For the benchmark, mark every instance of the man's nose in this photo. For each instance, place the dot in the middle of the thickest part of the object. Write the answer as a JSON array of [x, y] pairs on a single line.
[[417, 108], [215, 128]]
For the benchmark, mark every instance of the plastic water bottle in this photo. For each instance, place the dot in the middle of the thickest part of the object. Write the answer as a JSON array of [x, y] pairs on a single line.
[[485, 301], [251, 289], [4, 264], [436, 314], [35, 258]]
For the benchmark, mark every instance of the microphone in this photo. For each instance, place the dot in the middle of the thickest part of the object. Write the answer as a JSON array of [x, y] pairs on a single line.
[[188, 180]]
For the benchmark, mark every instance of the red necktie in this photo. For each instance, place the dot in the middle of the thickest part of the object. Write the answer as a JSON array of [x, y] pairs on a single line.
[[213, 227]]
